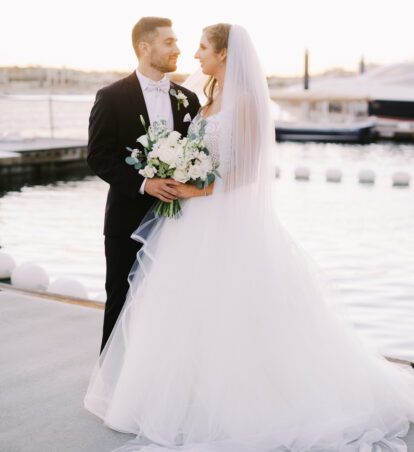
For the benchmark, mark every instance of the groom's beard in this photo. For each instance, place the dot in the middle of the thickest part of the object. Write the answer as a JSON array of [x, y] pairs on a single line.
[[164, 65]]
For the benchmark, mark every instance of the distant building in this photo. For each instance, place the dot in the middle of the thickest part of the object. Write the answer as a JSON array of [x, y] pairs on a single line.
[[53, 79]]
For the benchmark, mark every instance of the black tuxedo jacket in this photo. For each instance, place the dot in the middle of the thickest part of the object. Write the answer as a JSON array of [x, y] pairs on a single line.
[[114, 124]]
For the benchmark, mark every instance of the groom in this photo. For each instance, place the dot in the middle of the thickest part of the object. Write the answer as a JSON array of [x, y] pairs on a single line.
[[114, 124]]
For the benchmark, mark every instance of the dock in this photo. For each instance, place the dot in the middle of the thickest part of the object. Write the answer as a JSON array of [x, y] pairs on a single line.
[[49, 348], [40, 156], [47, 355]]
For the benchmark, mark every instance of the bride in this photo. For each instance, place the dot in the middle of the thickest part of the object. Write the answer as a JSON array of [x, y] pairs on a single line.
[[228, 340]]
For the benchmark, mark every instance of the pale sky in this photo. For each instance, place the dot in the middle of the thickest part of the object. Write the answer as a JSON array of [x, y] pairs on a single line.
[[95, 34]]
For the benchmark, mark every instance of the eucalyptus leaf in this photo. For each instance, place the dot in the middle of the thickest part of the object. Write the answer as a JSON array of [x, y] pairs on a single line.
[[130, 160], [199, 184]]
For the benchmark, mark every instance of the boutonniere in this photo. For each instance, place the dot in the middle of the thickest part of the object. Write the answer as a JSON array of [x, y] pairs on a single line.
[[181, 98]]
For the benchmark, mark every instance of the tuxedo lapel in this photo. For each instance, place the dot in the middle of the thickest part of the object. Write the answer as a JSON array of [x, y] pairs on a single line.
[[136, 98]]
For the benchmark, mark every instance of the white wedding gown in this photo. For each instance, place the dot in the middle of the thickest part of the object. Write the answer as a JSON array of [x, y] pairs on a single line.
[[229, 344]]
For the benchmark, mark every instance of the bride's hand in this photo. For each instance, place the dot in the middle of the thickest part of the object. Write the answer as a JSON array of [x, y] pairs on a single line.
[[163, 189], [190, 191]]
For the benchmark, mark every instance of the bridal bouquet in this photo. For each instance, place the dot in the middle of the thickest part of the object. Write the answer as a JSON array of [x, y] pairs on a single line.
[[166, 154]]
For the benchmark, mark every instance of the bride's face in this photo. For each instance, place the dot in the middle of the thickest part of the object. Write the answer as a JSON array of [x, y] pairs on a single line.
[[210, 61]]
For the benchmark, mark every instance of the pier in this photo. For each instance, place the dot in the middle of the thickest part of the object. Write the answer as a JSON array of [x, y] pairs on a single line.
[[40, 155], [49, 347], [48, 351]]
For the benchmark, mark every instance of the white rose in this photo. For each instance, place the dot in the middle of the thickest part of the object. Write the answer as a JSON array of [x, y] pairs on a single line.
[[194, 171], [173, 137], [167, 155], [190, 154], [148, 171], [207, 166], [181, 175], [206, 161]]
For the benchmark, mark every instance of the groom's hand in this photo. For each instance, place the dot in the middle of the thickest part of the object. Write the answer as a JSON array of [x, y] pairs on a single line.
[[163, 189]]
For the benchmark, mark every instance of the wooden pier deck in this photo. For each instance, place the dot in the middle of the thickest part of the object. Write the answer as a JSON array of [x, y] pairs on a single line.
[[40, 155], [47, 354]]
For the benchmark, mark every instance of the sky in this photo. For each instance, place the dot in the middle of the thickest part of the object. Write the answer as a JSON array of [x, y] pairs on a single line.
[[95, 34]]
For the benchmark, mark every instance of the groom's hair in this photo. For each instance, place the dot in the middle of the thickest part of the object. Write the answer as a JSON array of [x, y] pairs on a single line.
[[146, 30]]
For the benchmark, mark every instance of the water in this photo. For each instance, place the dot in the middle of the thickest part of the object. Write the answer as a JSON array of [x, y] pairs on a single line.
[[38, 115], [361, 236]]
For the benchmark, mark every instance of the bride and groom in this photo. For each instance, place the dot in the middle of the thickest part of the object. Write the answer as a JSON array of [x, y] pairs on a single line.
[[219, 335]]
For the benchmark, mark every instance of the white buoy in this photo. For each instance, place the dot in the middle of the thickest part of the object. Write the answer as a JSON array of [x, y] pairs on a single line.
[[69, 287], [277, 171], [7, 265], [302, 173], [333, 175], [30, 276], [366, 176], [401, 179]]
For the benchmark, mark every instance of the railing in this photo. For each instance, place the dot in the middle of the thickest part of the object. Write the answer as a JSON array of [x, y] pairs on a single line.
[[51, 116]]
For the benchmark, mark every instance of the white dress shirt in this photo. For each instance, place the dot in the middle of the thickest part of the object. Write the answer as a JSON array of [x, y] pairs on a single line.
[[158, 103]]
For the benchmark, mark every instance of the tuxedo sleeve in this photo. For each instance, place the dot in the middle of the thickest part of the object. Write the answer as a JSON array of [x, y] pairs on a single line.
[[104, 158]]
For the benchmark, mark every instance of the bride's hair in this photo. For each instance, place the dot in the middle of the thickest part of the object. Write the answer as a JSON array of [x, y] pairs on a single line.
[[218, 37]]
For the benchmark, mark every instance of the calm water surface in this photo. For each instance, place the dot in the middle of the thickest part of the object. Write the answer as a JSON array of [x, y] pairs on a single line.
[[361, 236]]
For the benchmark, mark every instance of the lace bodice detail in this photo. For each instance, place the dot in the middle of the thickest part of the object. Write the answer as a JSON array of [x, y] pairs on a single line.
[[211, 137]]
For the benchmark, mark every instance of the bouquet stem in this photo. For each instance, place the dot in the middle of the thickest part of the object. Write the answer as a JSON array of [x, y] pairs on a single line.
[[168, 209]]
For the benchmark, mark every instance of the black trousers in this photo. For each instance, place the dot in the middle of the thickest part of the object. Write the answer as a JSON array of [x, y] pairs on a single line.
[[120, 254]]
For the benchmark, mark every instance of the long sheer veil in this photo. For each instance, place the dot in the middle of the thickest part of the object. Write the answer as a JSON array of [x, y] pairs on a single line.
[[246, 134]]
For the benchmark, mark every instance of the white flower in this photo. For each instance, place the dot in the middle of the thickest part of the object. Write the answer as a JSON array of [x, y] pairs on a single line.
[[148, 171], [143, 139], [173, 138], [194, 171], [167, 155], [187, 118], [206, 165], [134, 153], [181, 175], [181, 98]]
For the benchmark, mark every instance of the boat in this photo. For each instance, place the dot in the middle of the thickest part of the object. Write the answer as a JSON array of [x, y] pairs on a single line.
[[377, 104], [360, 132]]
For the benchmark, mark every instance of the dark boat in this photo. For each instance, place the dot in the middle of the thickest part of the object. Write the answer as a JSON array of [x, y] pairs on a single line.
[[393, 109], [362, 133]]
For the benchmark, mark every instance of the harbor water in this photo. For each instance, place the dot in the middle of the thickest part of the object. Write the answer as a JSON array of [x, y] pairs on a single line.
[[360, 235]]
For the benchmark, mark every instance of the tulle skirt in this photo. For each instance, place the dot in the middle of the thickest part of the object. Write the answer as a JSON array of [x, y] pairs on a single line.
[[229, 341]]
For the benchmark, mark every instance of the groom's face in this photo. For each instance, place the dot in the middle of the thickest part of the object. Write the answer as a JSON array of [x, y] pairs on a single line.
[[163, 50]]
